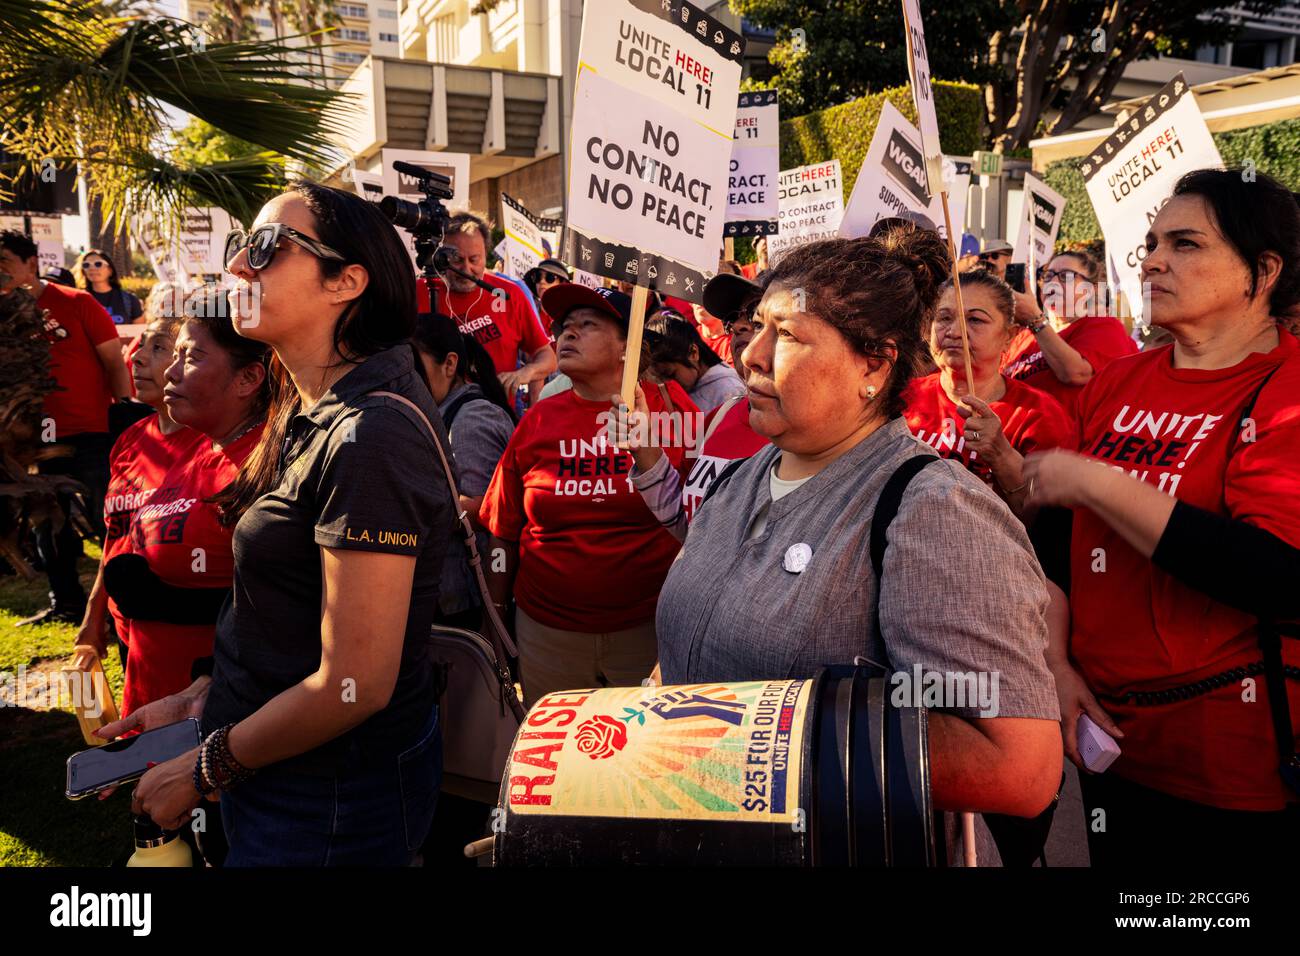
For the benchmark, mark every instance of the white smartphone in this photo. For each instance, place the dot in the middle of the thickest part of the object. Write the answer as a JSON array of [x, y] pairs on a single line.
[[1097, 748]]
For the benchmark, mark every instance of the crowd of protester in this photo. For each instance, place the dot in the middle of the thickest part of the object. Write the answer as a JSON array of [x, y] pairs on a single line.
[[297, 454]]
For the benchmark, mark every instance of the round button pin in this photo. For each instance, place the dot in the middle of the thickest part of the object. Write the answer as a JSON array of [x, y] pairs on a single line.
[[796, 558]]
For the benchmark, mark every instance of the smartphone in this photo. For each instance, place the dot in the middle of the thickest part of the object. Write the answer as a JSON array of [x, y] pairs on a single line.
[[1016, 276], [122, 761]]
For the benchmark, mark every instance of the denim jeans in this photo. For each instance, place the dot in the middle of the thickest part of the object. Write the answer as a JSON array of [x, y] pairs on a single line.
[[376, 816]]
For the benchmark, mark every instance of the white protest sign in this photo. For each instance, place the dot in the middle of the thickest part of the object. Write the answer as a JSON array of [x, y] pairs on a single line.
[[893, 180], [47, 233], [812, 205], [523, 246], [667, 51], [455, 166], [648, 172], [370, 186], [1132, 172], [918, 68], [583, 277], [1044, 207], [752, 201], [201, 240]]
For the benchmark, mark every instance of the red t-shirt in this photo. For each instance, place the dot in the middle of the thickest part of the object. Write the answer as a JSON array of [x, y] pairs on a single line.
[[1100, 339], [1031, 420], [731, 440], [749, 270], [592, 556], [137, 466], [681, 306], [1134, 627], [721, 345], [75, 325], [504, 330], [179, 535]]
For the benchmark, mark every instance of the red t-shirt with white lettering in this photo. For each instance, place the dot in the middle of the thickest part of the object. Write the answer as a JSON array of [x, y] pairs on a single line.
[[502, 325], [592, 556], [1031, 420], [733, 439], [75, 325], [178, 533], [1100, 339], [1134, 627], [137, 466]]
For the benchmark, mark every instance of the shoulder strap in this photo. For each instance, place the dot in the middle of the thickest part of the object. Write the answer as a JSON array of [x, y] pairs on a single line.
[[1249, 408], [464, 398], [723, 475], [501, 640], [887, 505], [718, 416]]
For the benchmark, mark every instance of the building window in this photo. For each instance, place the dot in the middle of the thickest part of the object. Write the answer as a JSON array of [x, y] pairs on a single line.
[[352, 58], [388, 38], [264, 22], [361, 36], [353, 10], [387, 14]]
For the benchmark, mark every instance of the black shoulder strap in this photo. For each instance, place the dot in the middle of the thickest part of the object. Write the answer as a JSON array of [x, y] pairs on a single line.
[[464, 398], [722, 477], [891, 497], [1249, 408]]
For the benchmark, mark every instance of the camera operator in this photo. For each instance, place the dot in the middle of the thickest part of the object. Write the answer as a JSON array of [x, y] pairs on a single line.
[[500, 318]]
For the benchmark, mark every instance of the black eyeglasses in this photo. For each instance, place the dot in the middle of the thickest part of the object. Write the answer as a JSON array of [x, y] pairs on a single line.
[[547, 278], [263, 241], [1049, 274], [94, 265]]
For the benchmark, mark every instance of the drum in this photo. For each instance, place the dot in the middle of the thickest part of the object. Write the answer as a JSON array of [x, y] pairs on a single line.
[[820, 772]]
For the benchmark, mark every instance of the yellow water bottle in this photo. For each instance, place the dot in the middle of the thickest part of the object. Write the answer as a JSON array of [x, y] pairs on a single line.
[[155, 846]]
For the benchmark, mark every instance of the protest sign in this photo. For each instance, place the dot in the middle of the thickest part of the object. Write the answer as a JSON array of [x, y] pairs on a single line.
[[918, 67], [1132, 172], [201, 240], [811, 206], [752, 202], [654, 116], [370, 186], [452, 165], [893, 180], [583, 277], [1043, 209], [652, 133], [527, 242], [47, 233], [667, 51]]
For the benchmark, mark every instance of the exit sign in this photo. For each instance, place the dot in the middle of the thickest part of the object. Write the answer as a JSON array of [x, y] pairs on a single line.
[[988, 164]]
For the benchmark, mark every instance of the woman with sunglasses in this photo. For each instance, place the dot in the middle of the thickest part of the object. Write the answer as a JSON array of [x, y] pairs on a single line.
[[96, 274], [320, 718], [1059, 350]]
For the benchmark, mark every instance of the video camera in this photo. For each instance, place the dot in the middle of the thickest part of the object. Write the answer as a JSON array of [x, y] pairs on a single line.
[[425, 220]]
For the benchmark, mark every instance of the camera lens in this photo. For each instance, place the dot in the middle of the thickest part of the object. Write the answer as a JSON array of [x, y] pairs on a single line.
[[408, 215]]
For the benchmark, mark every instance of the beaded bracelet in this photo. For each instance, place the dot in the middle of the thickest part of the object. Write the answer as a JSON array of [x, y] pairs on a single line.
[[216, 767]]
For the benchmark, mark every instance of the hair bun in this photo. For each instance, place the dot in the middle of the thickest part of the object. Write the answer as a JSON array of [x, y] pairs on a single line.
[[925, 256]]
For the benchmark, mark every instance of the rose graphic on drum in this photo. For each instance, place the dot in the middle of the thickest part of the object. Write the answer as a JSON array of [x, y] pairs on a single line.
[[601, 737]]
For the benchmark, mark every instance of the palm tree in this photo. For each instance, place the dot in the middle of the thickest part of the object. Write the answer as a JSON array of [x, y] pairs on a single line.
[[314, 19], [82, 85]]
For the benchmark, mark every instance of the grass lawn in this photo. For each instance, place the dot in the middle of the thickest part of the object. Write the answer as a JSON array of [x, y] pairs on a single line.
[[39, 826]]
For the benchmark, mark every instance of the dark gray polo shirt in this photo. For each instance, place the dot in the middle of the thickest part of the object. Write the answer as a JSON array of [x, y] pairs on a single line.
[[962, 590], [358, 472], [479, 435]]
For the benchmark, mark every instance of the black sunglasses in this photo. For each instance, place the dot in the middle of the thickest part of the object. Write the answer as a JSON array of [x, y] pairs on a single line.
[[263, 241]]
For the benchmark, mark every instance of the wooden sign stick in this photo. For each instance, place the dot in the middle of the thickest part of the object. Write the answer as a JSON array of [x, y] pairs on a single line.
[[729, 248], [632, 357], [956, 287]]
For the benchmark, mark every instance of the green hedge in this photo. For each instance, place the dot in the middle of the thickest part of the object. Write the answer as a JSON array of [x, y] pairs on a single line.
[[844, 132], [1274, 148]]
